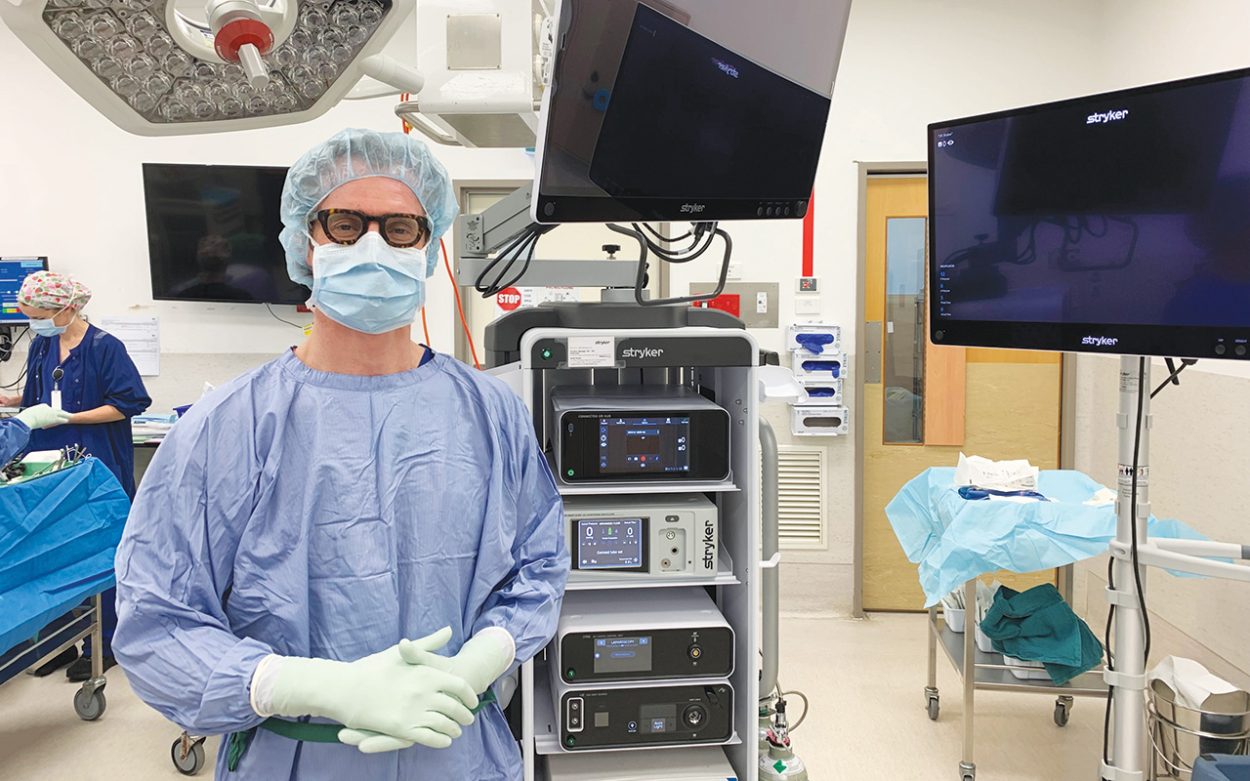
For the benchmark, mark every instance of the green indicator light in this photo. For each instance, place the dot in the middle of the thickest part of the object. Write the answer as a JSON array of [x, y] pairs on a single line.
[[570, 473], [546, 354]]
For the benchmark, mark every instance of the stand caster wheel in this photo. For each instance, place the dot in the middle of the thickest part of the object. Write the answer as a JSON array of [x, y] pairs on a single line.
[[967, 772], [1063, 710], [89, 704], [187, 755], [935, 707]]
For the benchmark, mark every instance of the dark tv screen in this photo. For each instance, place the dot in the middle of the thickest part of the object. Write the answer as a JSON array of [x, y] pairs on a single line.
[[1112, 223], [213, 234]]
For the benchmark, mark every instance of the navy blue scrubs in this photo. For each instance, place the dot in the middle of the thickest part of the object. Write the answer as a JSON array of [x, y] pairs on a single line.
[[97, 372]]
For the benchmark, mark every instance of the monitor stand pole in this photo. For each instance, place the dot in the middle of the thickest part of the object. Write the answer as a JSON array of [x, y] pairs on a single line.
[[1128, 679]]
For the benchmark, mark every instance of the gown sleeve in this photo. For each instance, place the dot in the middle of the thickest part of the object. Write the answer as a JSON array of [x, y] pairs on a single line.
[[527, 603], [14, 435], [174, 566], [121, 384]]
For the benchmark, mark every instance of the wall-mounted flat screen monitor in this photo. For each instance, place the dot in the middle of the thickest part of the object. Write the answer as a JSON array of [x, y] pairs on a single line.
[[681, 110], [1115, 223], [213, 234]]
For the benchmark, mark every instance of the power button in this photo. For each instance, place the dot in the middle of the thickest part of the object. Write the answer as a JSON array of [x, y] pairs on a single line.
[[1220, 349]]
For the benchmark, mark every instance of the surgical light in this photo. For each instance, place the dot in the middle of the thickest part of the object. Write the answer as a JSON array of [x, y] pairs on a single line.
[[166, 67]]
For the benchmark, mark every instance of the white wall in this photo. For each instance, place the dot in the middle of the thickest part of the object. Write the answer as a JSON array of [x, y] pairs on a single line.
[[71, 188]]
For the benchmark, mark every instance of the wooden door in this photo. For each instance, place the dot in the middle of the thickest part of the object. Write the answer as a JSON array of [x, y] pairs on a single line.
[[925, 404]]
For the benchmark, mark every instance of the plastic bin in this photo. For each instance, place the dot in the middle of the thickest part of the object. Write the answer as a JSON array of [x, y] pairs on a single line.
[[1213, 767], [985, 645], [955, 618], [1025, 670]]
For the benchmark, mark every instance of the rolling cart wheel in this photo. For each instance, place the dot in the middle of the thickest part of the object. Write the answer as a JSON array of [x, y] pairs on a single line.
[[192, 762], [89, 705], [935, 707], [1063, 710]]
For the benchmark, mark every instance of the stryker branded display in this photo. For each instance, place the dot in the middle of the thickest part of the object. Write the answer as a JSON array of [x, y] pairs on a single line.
[[13, 272], [690, 764], [635, 434], [632, 715], [673, 535], [686, 109], [655, 634], [1115, 223]]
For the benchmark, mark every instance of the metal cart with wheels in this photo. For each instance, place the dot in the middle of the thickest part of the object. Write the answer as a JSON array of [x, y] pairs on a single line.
[[89, 700], [989, 671]]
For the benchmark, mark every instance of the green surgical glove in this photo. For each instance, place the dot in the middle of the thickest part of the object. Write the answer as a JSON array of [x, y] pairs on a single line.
[[382, 693], [42, 416], [486, 656]]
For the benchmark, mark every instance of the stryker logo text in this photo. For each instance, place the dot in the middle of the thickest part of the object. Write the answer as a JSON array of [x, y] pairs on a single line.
[[642, 352], [1103, 117], [709, 549], [726, 68], [1100, 341], [693, 208]]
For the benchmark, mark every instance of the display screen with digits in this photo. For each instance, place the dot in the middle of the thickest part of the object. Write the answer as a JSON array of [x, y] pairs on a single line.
[[610, 543], [632, 445]]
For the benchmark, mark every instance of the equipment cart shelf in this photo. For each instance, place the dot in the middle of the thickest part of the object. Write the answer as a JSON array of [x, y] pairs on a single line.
[[989, 671]]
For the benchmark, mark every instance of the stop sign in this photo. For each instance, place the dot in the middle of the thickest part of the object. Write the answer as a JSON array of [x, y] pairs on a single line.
[[508, 299]]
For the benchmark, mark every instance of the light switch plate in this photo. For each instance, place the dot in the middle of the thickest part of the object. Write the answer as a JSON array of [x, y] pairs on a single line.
[[807, 305]]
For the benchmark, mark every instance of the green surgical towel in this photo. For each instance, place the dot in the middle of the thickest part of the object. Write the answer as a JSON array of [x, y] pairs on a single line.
[[1039, 626]]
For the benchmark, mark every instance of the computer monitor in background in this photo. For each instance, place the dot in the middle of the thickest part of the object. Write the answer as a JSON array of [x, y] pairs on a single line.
[[1115, 223], [213, 234], [13, 271]]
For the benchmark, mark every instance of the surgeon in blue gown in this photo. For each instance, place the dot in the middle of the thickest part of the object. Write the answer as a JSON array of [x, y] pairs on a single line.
[[303, 522]]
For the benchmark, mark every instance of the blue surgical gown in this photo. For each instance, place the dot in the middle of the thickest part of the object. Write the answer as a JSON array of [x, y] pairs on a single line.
[[313, 514], [97, 372], [13, 438]]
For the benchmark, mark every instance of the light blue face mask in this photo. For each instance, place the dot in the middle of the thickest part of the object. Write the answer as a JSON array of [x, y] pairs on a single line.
[[369, 286], [48, 327]]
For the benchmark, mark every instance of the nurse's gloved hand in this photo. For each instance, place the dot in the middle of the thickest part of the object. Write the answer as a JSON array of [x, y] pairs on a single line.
[[481, 661], [42, 416], [381, 693]]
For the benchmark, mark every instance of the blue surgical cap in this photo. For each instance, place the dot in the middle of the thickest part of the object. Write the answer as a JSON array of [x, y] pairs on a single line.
[[357, 154]]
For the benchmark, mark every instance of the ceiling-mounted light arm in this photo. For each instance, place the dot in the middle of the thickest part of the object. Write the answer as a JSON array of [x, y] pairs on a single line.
[[390, 71]]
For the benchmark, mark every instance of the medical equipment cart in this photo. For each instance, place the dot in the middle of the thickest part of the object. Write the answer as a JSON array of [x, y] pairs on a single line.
[[990, 672], [613, 345]]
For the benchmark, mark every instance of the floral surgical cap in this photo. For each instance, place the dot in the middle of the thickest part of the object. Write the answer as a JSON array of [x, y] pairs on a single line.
[[50, 290], [358, 154]]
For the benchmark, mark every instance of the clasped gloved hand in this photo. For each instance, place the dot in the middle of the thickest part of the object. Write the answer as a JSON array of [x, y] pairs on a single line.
[[486, 656], [385, 693], [42, 416]]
